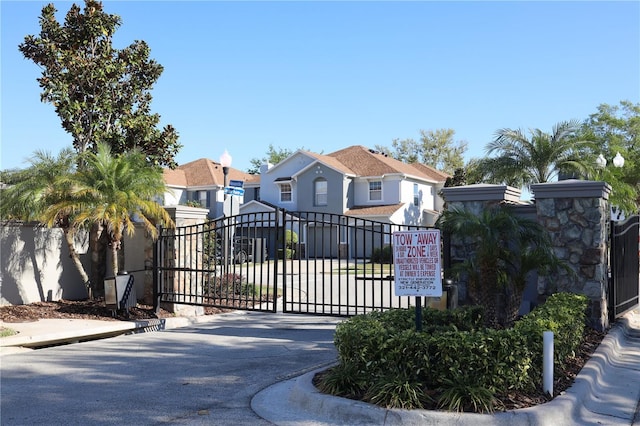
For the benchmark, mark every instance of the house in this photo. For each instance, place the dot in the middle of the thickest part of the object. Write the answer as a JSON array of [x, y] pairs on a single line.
[[352, 194], [202, 181], [357, 182]]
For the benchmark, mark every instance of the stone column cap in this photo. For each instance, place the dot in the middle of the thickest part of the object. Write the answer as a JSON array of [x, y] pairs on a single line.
[[482, 192], [572, 188]]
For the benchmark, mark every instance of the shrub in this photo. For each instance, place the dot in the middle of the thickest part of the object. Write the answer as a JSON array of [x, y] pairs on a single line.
[[228, 286], [382, 255], [455, 357]]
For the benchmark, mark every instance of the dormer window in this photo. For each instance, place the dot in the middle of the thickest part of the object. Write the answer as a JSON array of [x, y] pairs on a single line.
[[375, 190]]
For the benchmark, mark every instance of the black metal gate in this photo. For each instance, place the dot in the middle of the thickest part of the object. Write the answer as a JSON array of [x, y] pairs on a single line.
[[624, 260], [295, 262]]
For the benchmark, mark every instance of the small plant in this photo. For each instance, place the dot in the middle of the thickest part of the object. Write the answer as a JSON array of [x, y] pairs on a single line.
[[228, 286], [6, 332], [382, 255], [466, 397], [344, 379], [397, 390]]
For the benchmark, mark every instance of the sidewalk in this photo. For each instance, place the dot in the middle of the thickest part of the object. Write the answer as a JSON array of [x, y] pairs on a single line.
[[606, 392]]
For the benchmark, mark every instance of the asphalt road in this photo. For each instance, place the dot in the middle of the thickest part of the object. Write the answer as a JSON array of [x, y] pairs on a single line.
[[203, 374]]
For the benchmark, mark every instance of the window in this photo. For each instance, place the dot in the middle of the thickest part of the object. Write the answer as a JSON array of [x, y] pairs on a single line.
[[285, 192], [416, 195], [320, 191], [375, 190]]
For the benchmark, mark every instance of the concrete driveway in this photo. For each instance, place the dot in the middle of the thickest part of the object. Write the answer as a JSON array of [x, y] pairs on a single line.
[[202, 374]]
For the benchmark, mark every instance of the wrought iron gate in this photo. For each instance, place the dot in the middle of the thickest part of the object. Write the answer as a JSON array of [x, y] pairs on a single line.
[[295, 262], [624, 260]]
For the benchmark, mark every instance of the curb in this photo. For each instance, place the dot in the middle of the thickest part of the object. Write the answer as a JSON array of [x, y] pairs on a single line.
[[589, 400]]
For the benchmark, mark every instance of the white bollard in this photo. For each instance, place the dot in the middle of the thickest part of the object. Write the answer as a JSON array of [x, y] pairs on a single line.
[[547, 362]]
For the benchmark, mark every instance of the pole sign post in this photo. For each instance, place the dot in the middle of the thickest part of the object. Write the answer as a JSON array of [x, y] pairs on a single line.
[[417, 266], [416, 260]]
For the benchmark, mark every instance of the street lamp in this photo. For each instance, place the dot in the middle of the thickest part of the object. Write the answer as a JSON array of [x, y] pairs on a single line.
[[618, 161], [225, 162]]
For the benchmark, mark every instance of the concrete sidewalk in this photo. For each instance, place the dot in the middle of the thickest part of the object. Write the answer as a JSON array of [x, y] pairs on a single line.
[[606, 392]]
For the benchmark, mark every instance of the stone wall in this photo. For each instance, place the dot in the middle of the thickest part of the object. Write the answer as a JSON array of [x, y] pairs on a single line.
[[576, 214], [176, 254]]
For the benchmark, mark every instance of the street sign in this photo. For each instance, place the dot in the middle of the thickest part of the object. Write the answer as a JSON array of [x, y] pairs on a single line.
[[230, 190], [236, 183], [416, 259]]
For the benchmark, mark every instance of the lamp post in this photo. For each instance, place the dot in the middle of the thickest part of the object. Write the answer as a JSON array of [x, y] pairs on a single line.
[[225, 162], [618, 162]]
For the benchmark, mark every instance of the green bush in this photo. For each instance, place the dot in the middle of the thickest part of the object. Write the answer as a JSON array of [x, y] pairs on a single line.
[[386, 360], [229, 286], [382, 255]]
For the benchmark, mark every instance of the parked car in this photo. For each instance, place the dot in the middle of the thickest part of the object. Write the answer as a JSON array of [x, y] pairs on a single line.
[[243, 250]]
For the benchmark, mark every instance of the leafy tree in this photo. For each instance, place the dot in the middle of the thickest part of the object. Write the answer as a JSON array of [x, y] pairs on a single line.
[[617, 129], [536, 158], [503, 249], [274, 156], [112, 190], [435, 148], [101, 94], [45, 182]]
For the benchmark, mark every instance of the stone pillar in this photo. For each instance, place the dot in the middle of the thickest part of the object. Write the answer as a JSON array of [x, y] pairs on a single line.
[[184, 216], [474, 198], [576, 214]]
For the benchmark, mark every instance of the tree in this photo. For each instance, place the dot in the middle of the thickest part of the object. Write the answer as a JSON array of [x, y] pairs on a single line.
[[540, 157], [274, 156], [47, 181], [502, 249], [101, 94], [617, 129], [436, 148], [113, 190]]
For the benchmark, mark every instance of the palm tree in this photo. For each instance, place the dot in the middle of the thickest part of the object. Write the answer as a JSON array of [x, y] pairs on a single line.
[[503, 249], [113, 192], [523, 160], [45, 182]]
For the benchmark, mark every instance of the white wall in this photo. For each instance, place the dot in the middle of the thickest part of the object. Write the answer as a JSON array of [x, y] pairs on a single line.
[[35, 265]]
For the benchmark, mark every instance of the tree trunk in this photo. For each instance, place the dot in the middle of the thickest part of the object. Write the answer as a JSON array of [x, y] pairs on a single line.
[[98, 242], [68, 236], [114, 257]]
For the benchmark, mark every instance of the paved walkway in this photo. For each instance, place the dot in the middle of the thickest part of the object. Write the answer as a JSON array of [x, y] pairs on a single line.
[[252, 368]]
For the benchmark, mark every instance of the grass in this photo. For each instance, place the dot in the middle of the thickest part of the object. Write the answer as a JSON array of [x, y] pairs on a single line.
[[6, 332]]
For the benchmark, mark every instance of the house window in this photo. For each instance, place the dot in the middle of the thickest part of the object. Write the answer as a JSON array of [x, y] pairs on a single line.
[[257, 194], [375, 190], [285, 192], [320, 191], [416, 195]]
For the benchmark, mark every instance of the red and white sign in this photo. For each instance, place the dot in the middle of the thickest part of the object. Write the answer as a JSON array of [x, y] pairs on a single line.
[[417, 264]]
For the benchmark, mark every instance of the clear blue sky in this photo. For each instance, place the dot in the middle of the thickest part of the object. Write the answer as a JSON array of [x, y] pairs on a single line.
[[327, 75]]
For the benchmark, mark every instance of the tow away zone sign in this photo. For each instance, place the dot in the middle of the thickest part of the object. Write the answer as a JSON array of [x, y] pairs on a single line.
[[417, 264]]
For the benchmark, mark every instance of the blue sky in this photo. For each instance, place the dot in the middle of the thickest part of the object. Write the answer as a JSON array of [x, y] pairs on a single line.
[[327, 75]]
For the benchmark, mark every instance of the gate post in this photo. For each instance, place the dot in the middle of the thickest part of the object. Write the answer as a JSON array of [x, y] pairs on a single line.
[[185, 258], [576, 213]]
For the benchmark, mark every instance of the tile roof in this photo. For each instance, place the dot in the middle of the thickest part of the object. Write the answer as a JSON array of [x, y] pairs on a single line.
[[386, 210], [203, 172], [362, 161]]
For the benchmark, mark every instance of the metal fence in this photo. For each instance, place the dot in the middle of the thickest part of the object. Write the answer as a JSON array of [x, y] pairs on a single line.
[[294, 262]]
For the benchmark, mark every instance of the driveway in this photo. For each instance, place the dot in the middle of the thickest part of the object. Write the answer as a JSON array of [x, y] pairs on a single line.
[[203, 374]]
